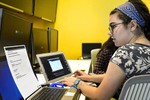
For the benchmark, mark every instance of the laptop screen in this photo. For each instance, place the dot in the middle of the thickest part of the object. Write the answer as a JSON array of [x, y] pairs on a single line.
[[54, 65]]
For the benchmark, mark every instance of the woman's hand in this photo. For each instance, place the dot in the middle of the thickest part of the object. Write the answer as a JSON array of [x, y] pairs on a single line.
[[69, 81], [79, 73], [82, 75]]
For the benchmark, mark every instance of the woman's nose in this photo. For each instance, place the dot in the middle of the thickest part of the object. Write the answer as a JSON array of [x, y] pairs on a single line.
[[109, 33]]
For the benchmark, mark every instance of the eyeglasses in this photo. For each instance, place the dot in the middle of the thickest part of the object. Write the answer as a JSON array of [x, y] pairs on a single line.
[[113, 26]]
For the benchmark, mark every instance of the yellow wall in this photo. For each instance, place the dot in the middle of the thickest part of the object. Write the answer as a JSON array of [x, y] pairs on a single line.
[[147, 2], [82, 21]]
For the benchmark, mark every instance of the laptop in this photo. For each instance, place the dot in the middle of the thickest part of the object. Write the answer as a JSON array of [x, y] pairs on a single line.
[[25, 78], [54, 66]]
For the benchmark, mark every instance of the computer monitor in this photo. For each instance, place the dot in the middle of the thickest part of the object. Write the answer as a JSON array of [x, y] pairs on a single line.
[[44, 40], [8, 88], [40, 42], [87, 47], [53, 34], [14, 30]]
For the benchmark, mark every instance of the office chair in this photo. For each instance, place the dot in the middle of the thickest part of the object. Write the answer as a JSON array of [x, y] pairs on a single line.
[[136, 88], [94, 53]]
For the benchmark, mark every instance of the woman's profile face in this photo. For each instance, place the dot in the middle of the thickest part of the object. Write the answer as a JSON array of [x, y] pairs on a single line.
[[120, 34]]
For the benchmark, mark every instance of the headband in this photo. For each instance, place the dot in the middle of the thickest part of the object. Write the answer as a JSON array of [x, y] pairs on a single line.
[[129, 9]]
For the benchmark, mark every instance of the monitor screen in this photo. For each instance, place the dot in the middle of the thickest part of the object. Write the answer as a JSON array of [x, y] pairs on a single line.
[[53, 40], [14, 30], [8, 88], [44, 41], [40, 42], [87, 47]]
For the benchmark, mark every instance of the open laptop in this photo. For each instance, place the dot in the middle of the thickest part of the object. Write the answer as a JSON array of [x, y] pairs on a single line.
[[24, 77], [54, 66]]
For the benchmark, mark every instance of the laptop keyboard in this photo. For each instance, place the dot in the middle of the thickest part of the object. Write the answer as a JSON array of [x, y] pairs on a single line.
[[50, 94]]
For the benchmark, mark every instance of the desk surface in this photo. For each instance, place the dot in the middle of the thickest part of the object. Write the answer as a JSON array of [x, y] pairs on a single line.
[[74, 65], [80, 65]]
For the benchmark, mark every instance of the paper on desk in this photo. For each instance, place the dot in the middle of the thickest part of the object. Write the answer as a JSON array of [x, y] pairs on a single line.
[[41, 78]]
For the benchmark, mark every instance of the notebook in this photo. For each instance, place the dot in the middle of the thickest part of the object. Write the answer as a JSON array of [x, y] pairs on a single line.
[[24, 76], [54, 66]]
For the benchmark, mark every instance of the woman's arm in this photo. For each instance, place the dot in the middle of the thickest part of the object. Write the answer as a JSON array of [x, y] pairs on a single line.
[[91, 78], [113, 79], [96, 78]]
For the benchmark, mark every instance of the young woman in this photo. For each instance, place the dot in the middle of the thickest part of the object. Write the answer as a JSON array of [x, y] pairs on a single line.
[[129, 26]]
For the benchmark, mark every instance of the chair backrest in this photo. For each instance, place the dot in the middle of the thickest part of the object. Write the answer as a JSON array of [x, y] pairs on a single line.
[[94, 53], [136, 88]]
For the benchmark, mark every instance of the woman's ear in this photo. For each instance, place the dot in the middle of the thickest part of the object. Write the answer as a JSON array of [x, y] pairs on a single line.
[[133, 26]]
